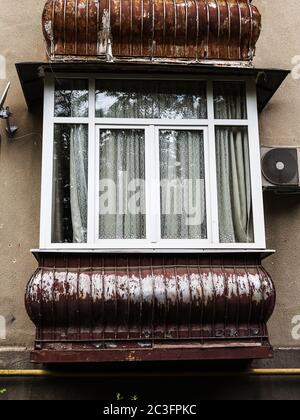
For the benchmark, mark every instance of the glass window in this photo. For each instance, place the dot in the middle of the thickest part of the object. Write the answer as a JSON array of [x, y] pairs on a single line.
[[154, 169], [71, 98], [182, 173], [230, 100], [70, 183], [122, 184], [234, 185], [150, 99]]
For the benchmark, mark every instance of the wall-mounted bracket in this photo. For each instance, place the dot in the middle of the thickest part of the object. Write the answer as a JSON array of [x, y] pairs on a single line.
[[5, 114]]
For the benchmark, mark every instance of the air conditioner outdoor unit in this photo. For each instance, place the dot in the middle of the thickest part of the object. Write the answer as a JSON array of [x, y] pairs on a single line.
[[281, 169]]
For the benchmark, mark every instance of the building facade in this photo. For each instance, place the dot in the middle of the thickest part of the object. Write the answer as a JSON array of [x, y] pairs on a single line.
[[197, 81]]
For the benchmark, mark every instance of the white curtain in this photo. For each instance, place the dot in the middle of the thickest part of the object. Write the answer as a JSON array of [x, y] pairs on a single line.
[[182, 153], [70, 178], [234, 186], [230, 100], [122, 164], [70, 184], [182, 172], [233, 165], [71, 98], [79, 182], [151, 99], [122, 190]]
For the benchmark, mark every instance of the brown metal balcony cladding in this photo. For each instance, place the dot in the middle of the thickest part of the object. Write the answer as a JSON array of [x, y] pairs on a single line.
[[163, 30], [95, 308]]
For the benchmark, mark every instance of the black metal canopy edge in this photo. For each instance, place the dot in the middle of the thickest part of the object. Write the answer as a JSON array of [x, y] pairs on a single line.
[[31, 75]]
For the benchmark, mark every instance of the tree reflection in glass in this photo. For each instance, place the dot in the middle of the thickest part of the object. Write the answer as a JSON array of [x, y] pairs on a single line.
[[151, 99], [71, 98]]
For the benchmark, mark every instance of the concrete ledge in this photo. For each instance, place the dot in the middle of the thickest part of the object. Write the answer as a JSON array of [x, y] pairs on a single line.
[[163, 382], [284, 358]]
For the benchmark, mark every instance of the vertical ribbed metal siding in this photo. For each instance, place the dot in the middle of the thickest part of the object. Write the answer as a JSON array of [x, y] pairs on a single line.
[[169, 298], [162, 29]]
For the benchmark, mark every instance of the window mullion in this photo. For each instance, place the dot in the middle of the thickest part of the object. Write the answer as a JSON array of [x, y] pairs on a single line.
[[255, 166], [157, 185], [47, 166], [212, 166], [152, 185], [93, 168]]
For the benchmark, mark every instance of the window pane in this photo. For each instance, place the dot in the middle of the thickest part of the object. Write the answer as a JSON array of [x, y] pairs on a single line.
[[122, 184], [234, 185], [151, 99], [182, 173], [70, 183], [71, 98], [230, 100]]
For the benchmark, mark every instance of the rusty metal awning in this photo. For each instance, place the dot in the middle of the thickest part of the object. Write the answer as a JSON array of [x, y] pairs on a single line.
[[31, 75]]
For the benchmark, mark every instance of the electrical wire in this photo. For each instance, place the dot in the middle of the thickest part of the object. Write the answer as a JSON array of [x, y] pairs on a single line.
[[27, 135]]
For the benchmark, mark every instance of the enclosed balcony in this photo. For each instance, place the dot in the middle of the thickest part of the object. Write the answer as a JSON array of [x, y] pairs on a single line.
[[140, 95]]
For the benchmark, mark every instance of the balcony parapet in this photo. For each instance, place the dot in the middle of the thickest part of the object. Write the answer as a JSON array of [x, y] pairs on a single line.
[[100, 308]]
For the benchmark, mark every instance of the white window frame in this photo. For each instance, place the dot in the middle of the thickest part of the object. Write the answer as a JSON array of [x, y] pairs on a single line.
[[153, 204], [153, 242]]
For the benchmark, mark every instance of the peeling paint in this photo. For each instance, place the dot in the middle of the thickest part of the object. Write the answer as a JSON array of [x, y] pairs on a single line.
[[176, 31], [185, 287], [126, 304]]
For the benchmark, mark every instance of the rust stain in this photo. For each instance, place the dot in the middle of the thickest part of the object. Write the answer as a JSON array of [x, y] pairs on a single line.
[[149, 30], [131, 357], [133, 302]]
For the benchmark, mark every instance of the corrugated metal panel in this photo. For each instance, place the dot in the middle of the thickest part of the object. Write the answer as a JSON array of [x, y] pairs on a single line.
[[148, 29], [136, 302]]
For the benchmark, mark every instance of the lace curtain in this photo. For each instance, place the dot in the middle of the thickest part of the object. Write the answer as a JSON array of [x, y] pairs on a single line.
[[122, 192], [122, 162], [182, 172], [122, 184], [233, 166], [151, 99], [70, 183], [71, 98]]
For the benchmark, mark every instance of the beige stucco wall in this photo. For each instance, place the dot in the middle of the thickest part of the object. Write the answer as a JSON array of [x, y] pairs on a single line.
[[280, 125], [20, 161], [21, 40]]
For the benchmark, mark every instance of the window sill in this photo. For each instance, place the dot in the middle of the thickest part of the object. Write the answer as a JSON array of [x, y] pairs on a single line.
[[263, 252]]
